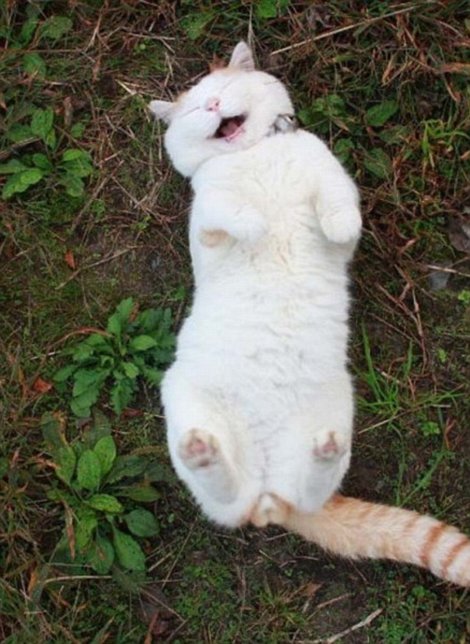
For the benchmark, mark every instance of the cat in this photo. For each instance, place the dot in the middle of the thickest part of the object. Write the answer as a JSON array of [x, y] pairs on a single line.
[[259, 401]]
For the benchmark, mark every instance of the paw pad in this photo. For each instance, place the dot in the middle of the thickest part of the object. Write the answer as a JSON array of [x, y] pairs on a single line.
[[198, 449], [329, 449]]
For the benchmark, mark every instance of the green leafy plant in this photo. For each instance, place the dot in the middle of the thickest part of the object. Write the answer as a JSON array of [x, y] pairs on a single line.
[[323, 111], [101, 493], [30, 168], [134, 345]]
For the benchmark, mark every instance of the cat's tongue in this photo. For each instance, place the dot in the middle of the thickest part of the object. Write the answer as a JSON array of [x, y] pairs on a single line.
[[229, 128]]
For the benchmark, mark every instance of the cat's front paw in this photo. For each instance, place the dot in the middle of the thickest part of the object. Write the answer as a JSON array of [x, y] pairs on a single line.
[[342, 226], [198, 449]]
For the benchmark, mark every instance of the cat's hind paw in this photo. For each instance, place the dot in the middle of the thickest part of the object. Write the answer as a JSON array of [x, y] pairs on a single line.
[[329, 446], [199, 449], [342, 226]]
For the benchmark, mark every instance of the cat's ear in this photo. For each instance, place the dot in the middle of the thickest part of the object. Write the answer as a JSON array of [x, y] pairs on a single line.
[[163, 110], [242, 58]]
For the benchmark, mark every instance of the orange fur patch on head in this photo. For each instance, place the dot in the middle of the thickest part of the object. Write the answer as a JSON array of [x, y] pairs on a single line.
[[433, 537]]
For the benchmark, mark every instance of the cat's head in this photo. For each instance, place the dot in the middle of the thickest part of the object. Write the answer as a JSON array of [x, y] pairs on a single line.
[[230, 109]]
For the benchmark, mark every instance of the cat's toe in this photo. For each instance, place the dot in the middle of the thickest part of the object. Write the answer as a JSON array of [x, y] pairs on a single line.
[[198, 449], [329, 447]]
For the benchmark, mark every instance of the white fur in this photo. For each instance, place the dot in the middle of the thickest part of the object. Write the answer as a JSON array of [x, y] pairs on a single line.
[[260, 376]]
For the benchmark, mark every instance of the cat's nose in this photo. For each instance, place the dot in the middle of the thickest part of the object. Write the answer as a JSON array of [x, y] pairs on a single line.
[[213, 104]]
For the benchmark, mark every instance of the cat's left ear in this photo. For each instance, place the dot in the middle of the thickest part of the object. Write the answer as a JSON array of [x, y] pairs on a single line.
[[242, 58], [163, 110]]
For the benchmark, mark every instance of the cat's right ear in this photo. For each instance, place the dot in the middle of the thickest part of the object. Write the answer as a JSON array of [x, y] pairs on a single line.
[[163, 110], [242, 58]]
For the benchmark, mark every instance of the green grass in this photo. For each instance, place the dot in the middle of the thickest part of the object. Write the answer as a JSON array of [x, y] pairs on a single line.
[[389, 94]]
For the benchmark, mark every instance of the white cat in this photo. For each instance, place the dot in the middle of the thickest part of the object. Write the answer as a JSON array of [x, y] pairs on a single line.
[[259, 402]]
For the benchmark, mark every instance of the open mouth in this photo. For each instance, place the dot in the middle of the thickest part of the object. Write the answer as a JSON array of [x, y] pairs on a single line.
[[230, 127]]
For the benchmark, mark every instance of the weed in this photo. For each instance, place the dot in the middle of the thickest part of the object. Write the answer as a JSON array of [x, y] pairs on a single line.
[[100, 490], [134, 345]]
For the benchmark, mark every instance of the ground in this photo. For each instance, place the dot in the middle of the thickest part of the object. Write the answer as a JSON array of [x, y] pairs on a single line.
[[386, 85]]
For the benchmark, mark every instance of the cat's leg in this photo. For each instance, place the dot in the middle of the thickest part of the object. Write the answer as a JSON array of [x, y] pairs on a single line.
[[219, 213], [201, 444], [316, 447], [337, 206]]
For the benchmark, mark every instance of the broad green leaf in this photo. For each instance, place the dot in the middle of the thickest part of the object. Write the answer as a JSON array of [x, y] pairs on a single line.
[[142, 492], [105, 503], [72, 154], [142, 523], [128, 466], [130, 369], [89, 471], [21, 181], [97, 340], [270, 8], [41, 123], [12, 167], [64, 373], [50, 139], [396, 134], [125, 308], [105, 449], [128, 551], [53, 430], [18, 133], [101, 555], [55, 27], [27, 30], [82, 351], [34, 64], [152, 376], [114, 325], [121, 395], [380, 114], [194, 24], [77, 163], [41, 161], [86, 522], [82, 403], [378, 163], [65, 460], [73, 185], [343, 148], [85, 379], [159, 472], [142, 343]]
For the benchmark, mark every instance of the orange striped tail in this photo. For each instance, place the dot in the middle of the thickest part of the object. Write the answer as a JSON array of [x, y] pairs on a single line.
[[354, 528]]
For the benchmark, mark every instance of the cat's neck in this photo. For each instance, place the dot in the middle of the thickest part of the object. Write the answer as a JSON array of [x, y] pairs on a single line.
[[283, 123]]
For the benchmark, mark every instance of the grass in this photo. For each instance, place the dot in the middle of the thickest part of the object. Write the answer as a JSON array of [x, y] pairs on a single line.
[[386, 86]]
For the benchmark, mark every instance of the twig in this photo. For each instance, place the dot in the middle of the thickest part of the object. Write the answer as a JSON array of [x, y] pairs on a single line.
[[351, 629], [443, 269], [52, 580], [340, 30]]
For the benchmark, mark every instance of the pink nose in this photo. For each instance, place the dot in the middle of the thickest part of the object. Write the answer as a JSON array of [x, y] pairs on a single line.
[[213, 104]]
